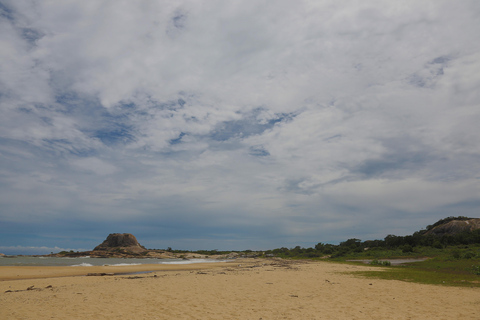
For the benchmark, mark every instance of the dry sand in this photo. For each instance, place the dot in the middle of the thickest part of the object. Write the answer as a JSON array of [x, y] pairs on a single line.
[[250, 289]]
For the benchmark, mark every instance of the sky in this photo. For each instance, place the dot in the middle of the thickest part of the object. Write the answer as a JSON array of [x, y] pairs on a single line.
[[235, 125]]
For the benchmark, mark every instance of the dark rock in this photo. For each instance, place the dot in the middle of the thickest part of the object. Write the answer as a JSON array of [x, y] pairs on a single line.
[[115, 240], [121, 243]]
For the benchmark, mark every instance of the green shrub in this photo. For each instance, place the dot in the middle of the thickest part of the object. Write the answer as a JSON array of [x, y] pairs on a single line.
[[380, 263], [476, 270], [456, 254], [437, 244], [469, 255]]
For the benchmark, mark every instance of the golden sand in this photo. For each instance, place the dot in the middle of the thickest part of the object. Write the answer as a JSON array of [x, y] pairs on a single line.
[[249, 289]]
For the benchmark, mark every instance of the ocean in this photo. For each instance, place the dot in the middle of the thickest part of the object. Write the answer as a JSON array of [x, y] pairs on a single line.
[[90, 262]]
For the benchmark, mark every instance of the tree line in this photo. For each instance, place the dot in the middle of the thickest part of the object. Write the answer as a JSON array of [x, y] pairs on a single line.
[[406, 244]]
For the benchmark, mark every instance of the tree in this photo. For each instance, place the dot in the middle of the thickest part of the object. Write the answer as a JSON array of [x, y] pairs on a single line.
[[320, 247], [351, 243]]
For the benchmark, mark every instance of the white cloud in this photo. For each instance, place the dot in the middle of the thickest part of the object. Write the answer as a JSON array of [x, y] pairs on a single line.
[[95, 165], [410, 195], [288, 112]]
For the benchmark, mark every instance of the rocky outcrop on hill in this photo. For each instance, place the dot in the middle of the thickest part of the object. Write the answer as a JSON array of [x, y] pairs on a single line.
[[121, 242], [455, 226], [125, 245]]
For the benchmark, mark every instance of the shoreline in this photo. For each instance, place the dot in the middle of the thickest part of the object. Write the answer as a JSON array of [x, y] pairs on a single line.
[[43, 272]]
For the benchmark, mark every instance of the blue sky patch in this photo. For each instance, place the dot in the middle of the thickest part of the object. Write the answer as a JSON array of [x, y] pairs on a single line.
[[258, 151], [179, 139], [246, 127]]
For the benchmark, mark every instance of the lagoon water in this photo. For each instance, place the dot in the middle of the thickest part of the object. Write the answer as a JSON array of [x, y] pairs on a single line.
[[394, 262], [87, 261]]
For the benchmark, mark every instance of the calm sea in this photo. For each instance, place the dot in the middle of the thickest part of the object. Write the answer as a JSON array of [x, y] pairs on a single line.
[[87, 261]]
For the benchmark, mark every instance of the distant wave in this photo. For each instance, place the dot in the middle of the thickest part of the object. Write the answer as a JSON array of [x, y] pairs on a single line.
[[106, 265], [82, 265]]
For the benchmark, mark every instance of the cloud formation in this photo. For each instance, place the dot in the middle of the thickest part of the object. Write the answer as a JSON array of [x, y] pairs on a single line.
[[235, 125]]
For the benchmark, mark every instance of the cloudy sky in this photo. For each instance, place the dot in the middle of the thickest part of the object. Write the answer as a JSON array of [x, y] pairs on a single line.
[[235, 125]]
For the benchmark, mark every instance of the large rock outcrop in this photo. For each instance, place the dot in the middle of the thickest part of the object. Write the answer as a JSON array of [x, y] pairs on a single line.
[[119, 242], [455, 226]]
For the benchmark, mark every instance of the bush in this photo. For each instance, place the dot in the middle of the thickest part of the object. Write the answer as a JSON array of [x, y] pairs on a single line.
[[476, 270], [380, 263], [437, 244], [456, 254], [469, 255]]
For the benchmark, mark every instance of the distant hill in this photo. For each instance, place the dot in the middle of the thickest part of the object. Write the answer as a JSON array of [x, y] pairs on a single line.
[[453, 226], [125, 242]]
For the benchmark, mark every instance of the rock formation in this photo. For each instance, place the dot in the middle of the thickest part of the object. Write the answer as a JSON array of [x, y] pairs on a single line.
[[455, 226], [121, 242]]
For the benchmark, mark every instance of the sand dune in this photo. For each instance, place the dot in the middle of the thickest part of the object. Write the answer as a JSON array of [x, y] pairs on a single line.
[[250, 289]]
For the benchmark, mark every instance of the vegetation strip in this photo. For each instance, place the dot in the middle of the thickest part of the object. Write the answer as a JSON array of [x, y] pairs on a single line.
[[441, 270]]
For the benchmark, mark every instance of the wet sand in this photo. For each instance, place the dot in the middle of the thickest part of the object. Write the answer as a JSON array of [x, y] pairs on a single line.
[[249, 289], [35, 272]]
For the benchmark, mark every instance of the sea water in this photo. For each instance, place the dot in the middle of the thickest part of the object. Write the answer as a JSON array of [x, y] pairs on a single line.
[[90, 262]]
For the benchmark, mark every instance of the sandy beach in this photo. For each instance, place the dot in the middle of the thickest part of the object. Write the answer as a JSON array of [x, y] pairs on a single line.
[[240, 289]]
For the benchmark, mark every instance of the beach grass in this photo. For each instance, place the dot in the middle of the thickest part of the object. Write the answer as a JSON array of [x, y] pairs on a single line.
[[436, 271]]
